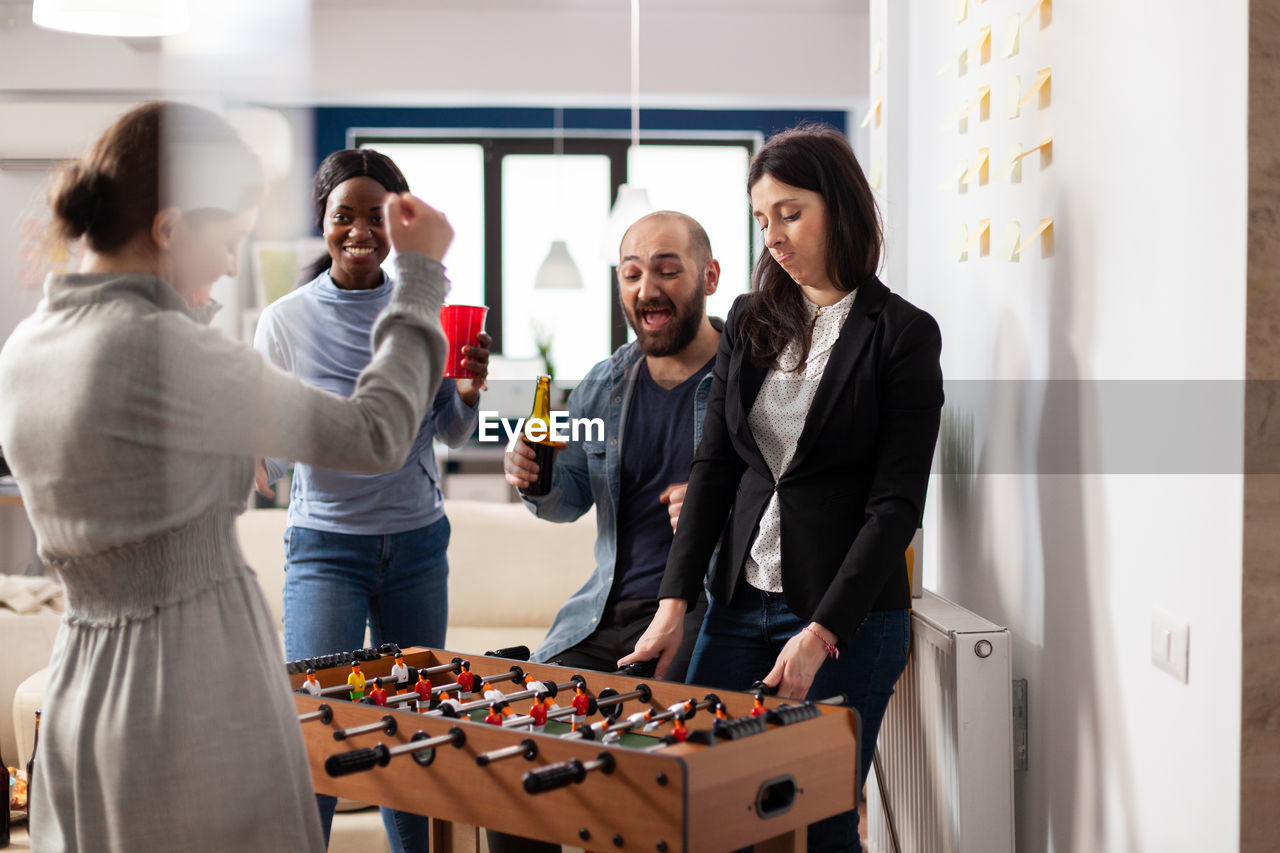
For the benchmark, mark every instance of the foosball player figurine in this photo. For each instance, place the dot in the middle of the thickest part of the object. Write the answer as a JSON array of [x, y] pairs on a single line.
[[401, 672], [538, 713], [445, 700], [378, 694], [758, 710], [495, 715], [356, 681], [311, 685], [681, 731], [722, 713], [539, 689], [423, 689], [581, 703], [491, 693], [466, 681]]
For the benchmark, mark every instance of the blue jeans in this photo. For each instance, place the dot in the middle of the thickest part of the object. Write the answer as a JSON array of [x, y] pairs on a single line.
[[741, 640], [398, 583]]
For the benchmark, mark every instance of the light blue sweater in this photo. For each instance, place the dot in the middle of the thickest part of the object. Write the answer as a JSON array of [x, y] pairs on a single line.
[[320, 333]]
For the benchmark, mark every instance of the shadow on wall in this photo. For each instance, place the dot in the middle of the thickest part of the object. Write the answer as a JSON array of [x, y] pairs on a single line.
[[1087, 771], [1024, 529]]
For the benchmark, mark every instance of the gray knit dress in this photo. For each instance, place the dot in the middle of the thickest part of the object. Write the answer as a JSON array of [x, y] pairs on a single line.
[[132, 429]]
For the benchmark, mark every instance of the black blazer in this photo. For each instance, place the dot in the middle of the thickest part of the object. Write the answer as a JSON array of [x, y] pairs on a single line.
[[852, 497]]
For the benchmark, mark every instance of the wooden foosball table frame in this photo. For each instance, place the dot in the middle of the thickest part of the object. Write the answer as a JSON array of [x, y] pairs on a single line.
[[762, 789]]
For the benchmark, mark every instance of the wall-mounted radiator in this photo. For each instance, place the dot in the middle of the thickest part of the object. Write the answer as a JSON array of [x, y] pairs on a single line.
[[945, 751]]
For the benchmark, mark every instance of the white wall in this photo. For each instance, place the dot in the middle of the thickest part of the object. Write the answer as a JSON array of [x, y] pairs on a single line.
[[1090, 510]]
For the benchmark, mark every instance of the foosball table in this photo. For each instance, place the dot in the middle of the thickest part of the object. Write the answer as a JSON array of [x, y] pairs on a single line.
[[606, 762]]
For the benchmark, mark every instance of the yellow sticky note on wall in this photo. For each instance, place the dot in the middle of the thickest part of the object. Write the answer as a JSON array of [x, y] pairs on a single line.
[[1008, 248], [1044, 145], [980, 236], [958, 242], [952, 180], [872, 113], [1046, 229], [1012, 96], [978, 171], [877, 55], [962, 10], [876, 178], [1045, 8], [1041, 82], [982, 49], [1010, 163], [1011, 32]]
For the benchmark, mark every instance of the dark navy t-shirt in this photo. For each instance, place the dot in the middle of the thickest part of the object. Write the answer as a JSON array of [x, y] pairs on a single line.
[[657, 450]]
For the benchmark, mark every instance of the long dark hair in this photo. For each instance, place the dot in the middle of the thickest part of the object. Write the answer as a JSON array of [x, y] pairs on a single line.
[[343, 166], [116, 189], [818, 158]]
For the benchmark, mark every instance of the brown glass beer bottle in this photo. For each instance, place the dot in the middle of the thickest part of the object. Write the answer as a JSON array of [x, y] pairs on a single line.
[[544, 450]]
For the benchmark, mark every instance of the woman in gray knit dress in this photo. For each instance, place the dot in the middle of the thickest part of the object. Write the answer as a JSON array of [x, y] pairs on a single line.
[[132, 428]]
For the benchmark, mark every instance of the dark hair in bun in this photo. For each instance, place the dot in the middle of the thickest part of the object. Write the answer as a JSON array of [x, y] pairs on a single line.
[[116, 189]]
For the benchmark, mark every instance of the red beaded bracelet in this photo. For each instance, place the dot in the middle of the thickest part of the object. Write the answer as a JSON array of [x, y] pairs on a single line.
[[832, 651]]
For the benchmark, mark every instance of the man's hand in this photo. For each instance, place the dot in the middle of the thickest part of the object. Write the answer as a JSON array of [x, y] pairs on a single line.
[[475, 359], [673, 497], [261, 484], [519, 466], [662, 638]]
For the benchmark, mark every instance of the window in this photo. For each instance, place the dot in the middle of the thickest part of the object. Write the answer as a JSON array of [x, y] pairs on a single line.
[[509, 197]]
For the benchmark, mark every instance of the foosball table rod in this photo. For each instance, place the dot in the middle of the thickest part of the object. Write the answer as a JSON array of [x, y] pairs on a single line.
[[323, 713], [387, 725], [525, 748], [379, 755]]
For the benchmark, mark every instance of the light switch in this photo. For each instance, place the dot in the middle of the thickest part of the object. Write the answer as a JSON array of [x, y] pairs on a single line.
[[1170, 644]]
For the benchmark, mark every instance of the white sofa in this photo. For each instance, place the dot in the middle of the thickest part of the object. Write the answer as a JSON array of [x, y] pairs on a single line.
[[508, 575]]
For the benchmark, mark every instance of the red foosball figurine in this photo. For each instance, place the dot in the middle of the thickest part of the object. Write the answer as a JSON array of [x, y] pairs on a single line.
[[495, 716], [681, 731], [466, 681], [538, 713], [311, 685], [356, 681], [758, 709], [423, 689], [581, 702], [401, 672], [378, 694]]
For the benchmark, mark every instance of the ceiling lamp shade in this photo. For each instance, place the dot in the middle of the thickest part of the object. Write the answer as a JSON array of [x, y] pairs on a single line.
[[558, 271], [125, 18], [633, 203]]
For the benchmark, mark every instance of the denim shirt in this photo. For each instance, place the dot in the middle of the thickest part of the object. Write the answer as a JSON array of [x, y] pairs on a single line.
[[588, 473]]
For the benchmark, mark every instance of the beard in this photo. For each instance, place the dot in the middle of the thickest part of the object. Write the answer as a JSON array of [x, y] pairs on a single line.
[[678, 332]]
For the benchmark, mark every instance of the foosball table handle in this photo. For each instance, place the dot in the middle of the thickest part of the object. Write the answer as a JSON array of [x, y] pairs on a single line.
[[357, 760], [565, 773]]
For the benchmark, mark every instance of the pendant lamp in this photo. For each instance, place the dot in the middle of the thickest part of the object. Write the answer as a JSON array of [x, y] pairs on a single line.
[[124, 18], [558, 271], [633, 201]]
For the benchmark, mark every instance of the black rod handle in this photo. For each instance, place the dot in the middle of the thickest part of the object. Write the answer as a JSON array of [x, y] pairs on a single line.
[[357, 760]]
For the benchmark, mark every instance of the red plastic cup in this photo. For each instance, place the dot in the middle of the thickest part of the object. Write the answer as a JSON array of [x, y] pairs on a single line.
[[462, 325]]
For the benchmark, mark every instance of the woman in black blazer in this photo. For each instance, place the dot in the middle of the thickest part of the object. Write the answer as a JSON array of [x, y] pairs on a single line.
[[815, 455]]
